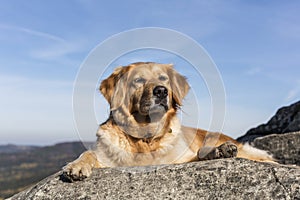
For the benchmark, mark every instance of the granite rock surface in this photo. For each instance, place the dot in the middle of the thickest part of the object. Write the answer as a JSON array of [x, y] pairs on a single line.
[[215, 179]]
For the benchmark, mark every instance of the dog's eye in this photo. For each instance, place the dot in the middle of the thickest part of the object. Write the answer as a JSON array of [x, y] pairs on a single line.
[[139, 80], [163, 78]]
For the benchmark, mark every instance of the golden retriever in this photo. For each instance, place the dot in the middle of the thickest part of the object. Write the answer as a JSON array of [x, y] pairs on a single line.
[[143, 128]]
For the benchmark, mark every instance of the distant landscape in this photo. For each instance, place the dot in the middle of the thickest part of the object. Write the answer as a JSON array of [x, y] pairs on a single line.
[[22, 166]]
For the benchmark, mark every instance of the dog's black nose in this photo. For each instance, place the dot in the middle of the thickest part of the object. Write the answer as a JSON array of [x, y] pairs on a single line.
[[160, 92]]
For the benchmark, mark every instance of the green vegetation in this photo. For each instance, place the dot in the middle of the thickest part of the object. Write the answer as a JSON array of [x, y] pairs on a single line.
[[19, 170]]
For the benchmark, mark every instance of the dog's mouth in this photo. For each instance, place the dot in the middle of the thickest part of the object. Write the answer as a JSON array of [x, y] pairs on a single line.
[[151, 111], [154, 106], [160, 107]]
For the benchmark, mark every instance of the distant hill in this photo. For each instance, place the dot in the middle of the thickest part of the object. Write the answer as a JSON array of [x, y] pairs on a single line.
[[11, 148], [22, 166], [286, 120]]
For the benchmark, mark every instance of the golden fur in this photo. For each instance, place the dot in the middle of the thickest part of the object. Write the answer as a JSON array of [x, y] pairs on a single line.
[[143, 128]]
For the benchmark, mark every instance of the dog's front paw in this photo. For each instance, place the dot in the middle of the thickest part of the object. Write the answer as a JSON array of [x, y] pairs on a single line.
[[77, 171], [226, 150]]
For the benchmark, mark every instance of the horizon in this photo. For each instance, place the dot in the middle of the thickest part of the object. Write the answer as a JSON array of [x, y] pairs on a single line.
[[255, 46], [91, 141]]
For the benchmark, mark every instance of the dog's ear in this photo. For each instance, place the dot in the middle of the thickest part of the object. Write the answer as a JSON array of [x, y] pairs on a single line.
[[179, 85], [114, 87]]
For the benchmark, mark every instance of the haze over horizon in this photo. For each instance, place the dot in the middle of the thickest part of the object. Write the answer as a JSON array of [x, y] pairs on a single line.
[[254, 44]]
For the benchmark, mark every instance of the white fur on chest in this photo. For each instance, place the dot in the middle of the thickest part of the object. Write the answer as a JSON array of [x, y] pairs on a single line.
[[112, 151]]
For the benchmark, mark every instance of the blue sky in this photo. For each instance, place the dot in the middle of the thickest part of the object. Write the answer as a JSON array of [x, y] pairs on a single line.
[[255, 45]]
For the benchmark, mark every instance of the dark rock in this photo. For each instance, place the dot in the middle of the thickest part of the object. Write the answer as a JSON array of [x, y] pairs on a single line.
[[285, 148], [286, 119], [216, 179]]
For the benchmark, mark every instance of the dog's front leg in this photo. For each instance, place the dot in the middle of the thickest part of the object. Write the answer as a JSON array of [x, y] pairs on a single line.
[[81, 168]]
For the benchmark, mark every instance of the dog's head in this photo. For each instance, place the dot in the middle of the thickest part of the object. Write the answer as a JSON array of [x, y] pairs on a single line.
[[144, 93]]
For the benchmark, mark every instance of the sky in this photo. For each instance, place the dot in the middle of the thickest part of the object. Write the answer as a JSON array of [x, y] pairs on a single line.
[[254, 44]]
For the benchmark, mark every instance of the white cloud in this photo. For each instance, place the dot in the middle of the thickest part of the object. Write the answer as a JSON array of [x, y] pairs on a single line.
[[44, 35], [253, 71], [55, 51], [294, 93], [288, 29], [291, 94], [52, 47]]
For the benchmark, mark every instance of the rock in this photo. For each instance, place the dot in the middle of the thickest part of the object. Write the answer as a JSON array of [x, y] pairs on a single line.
[[279, 136], [285, 148], [286, 119], [215, 179]]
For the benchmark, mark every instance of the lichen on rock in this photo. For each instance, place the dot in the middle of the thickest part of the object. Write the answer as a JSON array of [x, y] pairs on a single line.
[[216, 179]]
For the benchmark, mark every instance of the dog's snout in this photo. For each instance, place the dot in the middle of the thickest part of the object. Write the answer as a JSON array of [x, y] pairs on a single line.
[[160, 92]]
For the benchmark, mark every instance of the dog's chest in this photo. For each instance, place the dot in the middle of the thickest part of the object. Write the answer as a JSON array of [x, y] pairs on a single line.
[[114, 151]]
